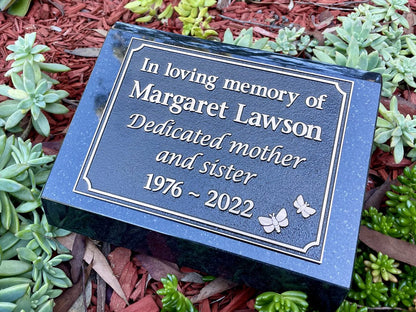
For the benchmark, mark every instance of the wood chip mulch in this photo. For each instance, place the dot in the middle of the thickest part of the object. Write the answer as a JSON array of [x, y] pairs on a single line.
[[67, 25]]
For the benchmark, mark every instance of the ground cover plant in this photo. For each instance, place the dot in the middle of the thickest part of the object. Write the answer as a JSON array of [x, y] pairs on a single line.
[[29, 253], [375, 36]]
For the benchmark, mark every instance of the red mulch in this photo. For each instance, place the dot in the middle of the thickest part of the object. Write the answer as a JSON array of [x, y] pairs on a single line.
[[65, 25]]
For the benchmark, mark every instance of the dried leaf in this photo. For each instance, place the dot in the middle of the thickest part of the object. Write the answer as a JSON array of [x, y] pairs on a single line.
[[375, 197], [216, 286], [78, 251], [85, 52], [101, 285], [99, 263], [192, 277], [158, 268], [65, 301], [83, 300], [393, 247]]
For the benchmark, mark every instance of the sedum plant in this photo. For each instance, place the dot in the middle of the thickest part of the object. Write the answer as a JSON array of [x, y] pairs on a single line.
[[401, 203], [392, 126], [195, 18], [351, 307], [192, 13], [366, 292], [378, 282], [149, 9], [173, 300], [382, 268], [288, 301], [399, 219]]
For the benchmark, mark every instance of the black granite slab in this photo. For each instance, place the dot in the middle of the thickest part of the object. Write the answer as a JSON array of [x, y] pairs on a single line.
[[238, 162]]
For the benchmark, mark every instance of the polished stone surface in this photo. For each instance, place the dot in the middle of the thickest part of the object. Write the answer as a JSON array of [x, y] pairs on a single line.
[[238, 162]]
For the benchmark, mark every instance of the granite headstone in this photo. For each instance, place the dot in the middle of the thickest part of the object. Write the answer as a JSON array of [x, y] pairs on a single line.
[[238, 162]]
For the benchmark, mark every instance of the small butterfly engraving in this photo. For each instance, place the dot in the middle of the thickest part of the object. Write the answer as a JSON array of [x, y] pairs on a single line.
[[274, 221], [303, 207]]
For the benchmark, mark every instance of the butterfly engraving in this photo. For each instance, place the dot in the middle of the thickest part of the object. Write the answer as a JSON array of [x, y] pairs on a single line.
[[274, 221], [303, 207]]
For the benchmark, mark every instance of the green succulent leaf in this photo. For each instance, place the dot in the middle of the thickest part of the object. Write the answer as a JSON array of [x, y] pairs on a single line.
[[10, 268], [27, 254], [41, 125], [53, 68], [15, 119], [173, 300], [19, 7]]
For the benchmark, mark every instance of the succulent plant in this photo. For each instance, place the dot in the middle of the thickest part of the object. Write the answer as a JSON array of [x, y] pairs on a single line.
[[27, 242], [375, 30], [399, 219], [387, 10], [350, 307], [245, 39], [405, 211], [353, 57], [10, 185], [192, 13], [366, 292], [352, 29], [393, 126], [44, 270], [377, 221], [15, 7], [38, 301], [173, 300], [10, 294], [25, 51], [382, 268], [404, 293], [290, 41], [402, 68], [39, 234], [31, 95], [195, 18], [289, 301], [32, 91], [149, 9]]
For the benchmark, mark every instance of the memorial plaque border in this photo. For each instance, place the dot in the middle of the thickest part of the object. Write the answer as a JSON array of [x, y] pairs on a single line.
[[205, 224]]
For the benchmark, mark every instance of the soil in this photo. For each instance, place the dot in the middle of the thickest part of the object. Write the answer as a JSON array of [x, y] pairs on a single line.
[[67, 26]]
